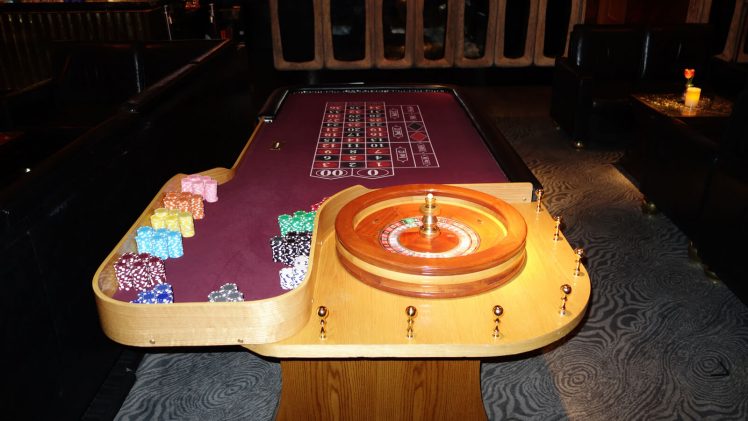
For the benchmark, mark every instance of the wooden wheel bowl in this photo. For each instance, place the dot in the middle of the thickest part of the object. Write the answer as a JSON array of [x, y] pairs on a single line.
[[499, 254]]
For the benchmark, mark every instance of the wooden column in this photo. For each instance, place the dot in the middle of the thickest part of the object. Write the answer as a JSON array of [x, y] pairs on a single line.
[[373, 389]]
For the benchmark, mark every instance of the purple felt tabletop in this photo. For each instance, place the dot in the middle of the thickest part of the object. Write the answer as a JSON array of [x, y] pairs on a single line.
[[436, 143]]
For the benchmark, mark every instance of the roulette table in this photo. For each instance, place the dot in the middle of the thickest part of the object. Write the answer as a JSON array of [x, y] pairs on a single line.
[[429, 249]]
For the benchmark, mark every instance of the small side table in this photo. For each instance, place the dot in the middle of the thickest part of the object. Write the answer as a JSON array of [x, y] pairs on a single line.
[[710, 112], [672, 105]]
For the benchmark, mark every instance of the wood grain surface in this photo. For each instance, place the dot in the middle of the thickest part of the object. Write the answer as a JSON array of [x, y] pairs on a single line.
[[367, 322], [381, 390], [364, 321]]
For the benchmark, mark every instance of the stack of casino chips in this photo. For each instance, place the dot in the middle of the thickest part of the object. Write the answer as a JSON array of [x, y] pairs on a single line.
[[300, 221], [286, 247], [227, 293], [293, 246], [162, 243], [205, 186], [185, 202], [292, 277], [174, 220], [139, 271], [160, 294]]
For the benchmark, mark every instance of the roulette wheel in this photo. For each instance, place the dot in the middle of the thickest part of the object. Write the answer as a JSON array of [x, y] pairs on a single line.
[[429, 240]]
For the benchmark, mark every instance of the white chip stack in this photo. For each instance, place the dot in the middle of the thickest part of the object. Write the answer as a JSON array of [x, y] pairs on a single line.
[[292, 277]]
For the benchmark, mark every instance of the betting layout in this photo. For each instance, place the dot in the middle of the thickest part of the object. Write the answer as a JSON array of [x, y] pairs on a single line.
[[371, 140]]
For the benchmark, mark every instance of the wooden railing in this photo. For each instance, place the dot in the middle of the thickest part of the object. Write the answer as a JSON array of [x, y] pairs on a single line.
[[25, 36], [415, 47]]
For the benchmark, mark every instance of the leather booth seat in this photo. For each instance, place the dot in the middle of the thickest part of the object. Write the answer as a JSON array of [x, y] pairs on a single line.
[[607, 63]]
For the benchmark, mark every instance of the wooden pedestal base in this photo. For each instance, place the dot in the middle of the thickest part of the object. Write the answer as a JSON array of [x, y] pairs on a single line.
[[369, 389]]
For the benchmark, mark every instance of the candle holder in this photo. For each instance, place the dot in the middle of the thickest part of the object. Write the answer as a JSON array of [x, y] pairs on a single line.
[[692, 97]]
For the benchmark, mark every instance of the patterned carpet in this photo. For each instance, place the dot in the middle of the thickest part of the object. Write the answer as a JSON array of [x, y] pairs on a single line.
[[660, 341]]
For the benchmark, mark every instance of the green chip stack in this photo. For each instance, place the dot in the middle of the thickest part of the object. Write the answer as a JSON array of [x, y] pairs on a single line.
[[300, 221]]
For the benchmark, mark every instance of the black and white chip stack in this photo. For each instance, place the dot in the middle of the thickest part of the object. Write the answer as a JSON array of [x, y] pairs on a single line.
[[291, 277], [227, 293], [287, 247]]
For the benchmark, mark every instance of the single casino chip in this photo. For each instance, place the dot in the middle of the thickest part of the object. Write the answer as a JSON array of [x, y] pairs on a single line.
[[234, 296], [163, 288], [216, 297], [227, 288]]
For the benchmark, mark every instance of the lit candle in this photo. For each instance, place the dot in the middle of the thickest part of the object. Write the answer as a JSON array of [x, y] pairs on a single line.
[[692, 96]]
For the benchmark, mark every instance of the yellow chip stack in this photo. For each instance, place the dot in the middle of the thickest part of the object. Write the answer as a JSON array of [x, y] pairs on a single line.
[[158, 219], [173, 220], [186, 225]]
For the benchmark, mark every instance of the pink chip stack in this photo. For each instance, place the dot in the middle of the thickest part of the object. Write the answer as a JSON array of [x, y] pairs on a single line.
[[205, 186]]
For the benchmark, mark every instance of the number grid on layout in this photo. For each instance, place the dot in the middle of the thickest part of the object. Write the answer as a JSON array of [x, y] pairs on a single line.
[[371, 140]]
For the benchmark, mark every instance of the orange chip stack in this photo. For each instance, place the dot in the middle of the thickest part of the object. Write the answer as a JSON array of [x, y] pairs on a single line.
[[196, 205], [185, 202]]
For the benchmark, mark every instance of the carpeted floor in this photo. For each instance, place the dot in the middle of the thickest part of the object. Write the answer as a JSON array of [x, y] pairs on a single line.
[[660, 341]]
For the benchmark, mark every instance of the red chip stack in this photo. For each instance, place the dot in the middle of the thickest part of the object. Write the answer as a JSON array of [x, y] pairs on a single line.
[[139, 271]]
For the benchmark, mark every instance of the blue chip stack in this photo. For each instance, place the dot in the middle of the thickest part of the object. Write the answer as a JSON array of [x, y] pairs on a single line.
[[174, 243], [144, 239], [160, 294], [164, 244], [160, 244]]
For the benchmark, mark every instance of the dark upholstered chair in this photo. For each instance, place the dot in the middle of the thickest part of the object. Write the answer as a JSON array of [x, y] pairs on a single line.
[[607, 63], [668, 50], [593, 83]]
